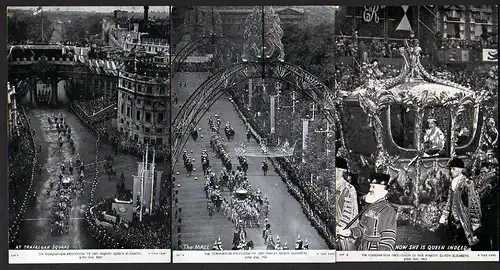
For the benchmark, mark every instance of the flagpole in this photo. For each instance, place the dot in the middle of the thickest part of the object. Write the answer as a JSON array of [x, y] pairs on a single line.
[[418, 22], [43, 38]]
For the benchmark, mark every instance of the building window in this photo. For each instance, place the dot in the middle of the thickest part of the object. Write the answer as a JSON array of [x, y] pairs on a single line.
[[139, 115], [159, 141], [148, 102], [160, 117], [136, 127], [123, 96], [138, 101], [121, 120], [136, 137], [150, 89], [147, 130], [146, 139], [123, 108], [128, 111], [139, 88], [159, 130], [148, 117]]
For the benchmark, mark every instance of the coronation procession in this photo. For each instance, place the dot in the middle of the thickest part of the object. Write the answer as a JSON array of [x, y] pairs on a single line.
[[81, 183], [235, 145], [419, 173]]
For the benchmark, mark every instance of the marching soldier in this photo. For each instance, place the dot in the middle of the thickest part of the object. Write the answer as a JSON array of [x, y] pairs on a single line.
[[463, 217], [376, 229], [347, 203], [299, 243], [210, 207], [265, 167], [219, 244]]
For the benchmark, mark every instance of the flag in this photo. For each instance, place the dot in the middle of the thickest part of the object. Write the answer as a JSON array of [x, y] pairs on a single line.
[[404, 25], [37, 11]]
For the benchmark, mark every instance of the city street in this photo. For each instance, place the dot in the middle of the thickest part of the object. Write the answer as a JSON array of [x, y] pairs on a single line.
[[286, 217], [38, 217]]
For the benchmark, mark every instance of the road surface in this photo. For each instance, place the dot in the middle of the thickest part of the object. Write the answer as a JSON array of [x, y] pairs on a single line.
[[286, 216]]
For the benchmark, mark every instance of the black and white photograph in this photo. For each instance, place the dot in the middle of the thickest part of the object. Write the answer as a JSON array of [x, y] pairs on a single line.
[[253, 133], [417, 167], [88, 111]]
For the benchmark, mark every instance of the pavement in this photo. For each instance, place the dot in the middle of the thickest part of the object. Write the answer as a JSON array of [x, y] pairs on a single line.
[[286, 217]]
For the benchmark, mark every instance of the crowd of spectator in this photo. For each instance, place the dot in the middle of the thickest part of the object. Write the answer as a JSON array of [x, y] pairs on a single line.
[[95, 105], [153, 232], [314, 203], [194, 67], [22, 160], [103, 126], [362, 48]]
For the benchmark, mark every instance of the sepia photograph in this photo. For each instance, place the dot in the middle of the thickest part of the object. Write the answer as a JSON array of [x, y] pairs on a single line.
[[417, 167], [89, 110]]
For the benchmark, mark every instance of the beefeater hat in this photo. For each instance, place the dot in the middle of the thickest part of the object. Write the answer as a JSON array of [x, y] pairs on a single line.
[[379, 179], [341, 163], [456, 162]]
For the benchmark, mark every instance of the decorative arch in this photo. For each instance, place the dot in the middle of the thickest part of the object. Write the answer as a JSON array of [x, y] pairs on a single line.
[[210, 91]]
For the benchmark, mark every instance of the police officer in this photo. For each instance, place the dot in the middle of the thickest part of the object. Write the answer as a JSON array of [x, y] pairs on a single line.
[[378, 223]]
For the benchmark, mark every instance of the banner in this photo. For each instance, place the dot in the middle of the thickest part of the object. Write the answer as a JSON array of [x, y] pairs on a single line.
[[404, 25], [305, 131], [272, 114], [490, 55], [250, 92]]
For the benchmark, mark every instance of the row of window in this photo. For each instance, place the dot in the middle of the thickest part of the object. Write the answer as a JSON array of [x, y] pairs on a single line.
[[141, 88], [147, 102], [148, 115], [145, 129], [157, 141]]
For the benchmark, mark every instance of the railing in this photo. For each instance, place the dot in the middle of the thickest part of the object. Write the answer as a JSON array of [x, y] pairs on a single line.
[[108, 110]]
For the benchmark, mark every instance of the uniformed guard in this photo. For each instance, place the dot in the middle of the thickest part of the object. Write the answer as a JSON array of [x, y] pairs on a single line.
[[346, 203], [219, 244], [299, 243], [306, 245], [463, 217], [378, 222]]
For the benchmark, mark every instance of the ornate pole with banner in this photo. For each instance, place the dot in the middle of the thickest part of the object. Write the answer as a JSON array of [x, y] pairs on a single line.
[[305, 131], [250, 92], [273, 113]]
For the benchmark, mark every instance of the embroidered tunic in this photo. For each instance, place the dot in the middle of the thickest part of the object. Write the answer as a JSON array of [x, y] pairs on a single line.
[[346, 210], [463, 204], [377, 227]]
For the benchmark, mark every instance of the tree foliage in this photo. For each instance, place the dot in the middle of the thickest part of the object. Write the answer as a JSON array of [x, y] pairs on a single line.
[[312, 49], [23, 26]]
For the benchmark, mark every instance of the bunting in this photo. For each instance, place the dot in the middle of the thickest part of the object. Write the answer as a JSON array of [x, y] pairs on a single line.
[[404, 25]]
